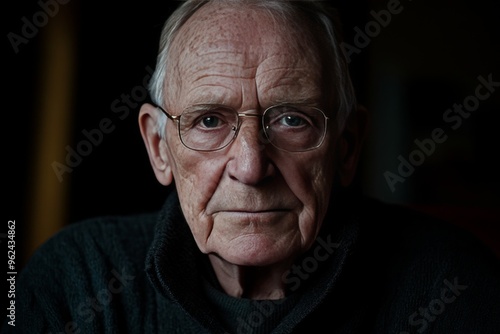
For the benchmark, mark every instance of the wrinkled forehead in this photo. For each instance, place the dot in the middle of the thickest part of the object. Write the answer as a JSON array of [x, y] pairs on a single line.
[[246, 31]]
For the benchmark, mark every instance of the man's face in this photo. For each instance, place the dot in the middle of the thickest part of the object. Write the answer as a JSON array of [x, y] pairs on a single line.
[[250, 203]]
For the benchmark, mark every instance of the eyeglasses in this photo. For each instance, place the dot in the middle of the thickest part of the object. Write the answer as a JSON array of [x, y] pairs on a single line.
[[209, 128]]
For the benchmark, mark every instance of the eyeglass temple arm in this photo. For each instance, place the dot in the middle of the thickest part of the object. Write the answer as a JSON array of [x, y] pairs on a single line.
[[172, 117]]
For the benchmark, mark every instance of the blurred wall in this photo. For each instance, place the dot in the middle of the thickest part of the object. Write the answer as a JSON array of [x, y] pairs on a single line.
[[434, 93]]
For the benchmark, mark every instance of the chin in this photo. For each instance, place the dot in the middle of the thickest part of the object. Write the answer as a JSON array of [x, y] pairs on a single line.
[[256, 251]]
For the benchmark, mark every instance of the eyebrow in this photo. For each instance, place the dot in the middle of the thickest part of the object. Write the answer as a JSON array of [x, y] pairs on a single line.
[[298, 102], [209, 106], [210, 100], [213, 101]]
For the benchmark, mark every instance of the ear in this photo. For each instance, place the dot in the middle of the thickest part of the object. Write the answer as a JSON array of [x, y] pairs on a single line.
[[155, 145], [350, 144]]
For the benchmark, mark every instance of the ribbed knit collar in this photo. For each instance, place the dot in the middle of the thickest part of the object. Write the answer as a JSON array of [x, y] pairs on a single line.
[[174, 268]]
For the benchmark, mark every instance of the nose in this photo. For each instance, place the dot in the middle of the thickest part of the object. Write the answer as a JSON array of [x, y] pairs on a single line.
[[249, 162]]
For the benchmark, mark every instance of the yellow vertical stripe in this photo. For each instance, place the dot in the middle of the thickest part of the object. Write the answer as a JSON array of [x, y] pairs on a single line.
[[54, 111]]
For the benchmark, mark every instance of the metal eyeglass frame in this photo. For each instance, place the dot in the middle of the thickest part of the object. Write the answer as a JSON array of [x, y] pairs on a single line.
[[238, 126]]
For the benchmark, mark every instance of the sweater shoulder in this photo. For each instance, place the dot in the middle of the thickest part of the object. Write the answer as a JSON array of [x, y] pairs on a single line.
[[97, 243], [78, 272], [421, 260], [120, 231], [405, 244]]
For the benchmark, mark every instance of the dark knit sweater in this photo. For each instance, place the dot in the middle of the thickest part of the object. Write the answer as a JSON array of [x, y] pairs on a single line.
[[375, 268]]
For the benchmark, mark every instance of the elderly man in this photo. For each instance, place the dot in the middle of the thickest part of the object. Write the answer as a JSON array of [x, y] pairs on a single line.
[[255, 122], [254, 139]]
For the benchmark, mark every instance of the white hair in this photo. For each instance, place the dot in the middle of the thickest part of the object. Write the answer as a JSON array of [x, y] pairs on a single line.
[[320, 16]]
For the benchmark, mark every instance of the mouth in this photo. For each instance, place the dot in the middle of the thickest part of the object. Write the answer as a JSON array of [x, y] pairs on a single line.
[[251, 221], [253, 211], [266, 215]]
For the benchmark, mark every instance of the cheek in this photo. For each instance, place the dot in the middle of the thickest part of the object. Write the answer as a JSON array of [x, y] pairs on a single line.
[[310, 178], [195, 174], [196, 178]]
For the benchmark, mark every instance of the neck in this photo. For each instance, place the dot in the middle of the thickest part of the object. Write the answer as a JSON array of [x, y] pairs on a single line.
[[260, 283]]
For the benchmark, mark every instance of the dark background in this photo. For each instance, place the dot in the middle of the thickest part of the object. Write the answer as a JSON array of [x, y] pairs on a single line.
[[425, 60]]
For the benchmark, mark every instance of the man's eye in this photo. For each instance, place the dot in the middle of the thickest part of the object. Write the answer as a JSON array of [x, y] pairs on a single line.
[[292, 120], [210, 121]]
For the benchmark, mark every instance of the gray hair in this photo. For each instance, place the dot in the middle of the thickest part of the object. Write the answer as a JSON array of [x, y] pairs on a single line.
[[325, 18]]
